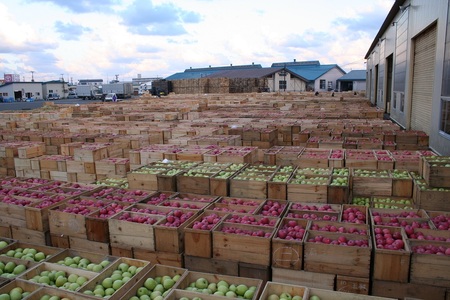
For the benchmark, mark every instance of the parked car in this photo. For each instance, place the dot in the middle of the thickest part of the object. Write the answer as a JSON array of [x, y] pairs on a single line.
[[53, 96], [111, 97], [72, 95]]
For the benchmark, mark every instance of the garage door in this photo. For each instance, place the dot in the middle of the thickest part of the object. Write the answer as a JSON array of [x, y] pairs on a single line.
[[423, 80]]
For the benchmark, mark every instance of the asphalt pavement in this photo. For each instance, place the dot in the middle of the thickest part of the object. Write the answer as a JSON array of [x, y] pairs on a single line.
[[37, 104]]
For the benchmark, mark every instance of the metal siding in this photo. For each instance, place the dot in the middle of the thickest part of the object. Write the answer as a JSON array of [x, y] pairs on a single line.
[[423, 80]]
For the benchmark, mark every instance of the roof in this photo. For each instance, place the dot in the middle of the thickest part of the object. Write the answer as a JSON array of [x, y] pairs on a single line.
[[297, 63], [194, 73], [245, 73], [55, 81], [387, 22], [311, 72], [354, 75]]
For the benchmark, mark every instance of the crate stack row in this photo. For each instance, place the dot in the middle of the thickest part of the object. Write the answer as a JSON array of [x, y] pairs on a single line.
[[240, 236], [48, 272]]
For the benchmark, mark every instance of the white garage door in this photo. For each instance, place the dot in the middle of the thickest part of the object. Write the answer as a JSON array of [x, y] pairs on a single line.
[[423, 80]]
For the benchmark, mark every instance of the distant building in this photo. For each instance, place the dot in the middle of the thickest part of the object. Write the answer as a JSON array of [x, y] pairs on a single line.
[[319, 78], [55, 86], [90, 82], [354, 80], [20, 91]]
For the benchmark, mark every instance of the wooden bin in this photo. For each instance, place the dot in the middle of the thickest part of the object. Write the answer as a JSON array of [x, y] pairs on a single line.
[[45, 266], [60, 293], [65, 223], [198, 242], [46, 250], [243, 248], [94, 258], [391, 265], [338, 190], [132, 234], [248, 188], [436, 174], [143, 265], [309, 189], [429, 269], [336, 295], [370, 182], [26, 286], [402, 183], [170, 238], [37, 217], [192, 276], [430, 198], [288, 253], [277, 288], [157, 270], [335, 259]]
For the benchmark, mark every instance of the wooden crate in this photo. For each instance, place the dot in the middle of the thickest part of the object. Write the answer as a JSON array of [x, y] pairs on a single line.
[[26, 286], [59, 241], [398, 290], [122, 232], [121, 250], [37, 217], [144, 265], [192, 276], [144, 178], [47, 250], [325, 294], [193, 184], [308, 189], [167, 181], [157, 270], [45, 266], [168, 238], [5, 231], [198, 242], [160, 257], [391, 265], [335, 259], [95, 258], [337, 193], [288, 253], [255, 271], [429, 198], [82, 244], [304, 278], [243, 248], [64, 223], [28, 264], [30, 236], [276, 190], [212, 265], [370, 182], [276, 288], [429, 269], [248, 188], [355, 285], [437, 174], [402, 183]]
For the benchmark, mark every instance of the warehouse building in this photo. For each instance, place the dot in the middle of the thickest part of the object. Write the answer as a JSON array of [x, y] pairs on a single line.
[[408, 68]]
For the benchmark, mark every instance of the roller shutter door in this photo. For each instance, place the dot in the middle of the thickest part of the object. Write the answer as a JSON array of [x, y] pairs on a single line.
[[423, 80]]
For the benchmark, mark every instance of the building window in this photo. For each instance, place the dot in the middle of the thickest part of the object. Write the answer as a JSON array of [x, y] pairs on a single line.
[[322, 84], [402, 102], [445, 115], [394, 101], [282, 85], [50, 91], [330, 85]]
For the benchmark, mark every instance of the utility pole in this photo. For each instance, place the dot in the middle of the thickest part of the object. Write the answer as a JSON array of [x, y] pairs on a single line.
[[32, 77]]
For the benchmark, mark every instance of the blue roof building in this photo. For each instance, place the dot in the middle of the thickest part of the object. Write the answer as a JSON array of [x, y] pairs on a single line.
[[354, 80]]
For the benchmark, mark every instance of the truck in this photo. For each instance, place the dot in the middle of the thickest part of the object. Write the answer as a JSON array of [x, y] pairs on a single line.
[[121, 89], [88, 92]]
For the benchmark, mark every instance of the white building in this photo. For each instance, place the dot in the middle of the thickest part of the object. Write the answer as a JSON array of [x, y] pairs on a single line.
[[19, 91], [408, 68], [56, 86]]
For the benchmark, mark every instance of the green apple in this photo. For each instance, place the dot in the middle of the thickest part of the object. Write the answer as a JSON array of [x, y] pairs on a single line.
[[314, 297], [273, 297], [117, 284], [142, 291], [60, 281], [39, 256], [150, 284], [241, 289], [201, 283], [168, 283], [3, 244]]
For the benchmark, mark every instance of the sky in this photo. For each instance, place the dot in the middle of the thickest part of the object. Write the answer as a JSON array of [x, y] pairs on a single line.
[[99, 39]]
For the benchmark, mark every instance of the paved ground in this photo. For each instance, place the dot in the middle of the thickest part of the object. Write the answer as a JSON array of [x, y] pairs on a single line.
[[37, 104]]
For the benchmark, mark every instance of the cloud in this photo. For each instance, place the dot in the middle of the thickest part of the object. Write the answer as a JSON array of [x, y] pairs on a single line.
[[144, 18], [365, 23], [82, 6], [70, 31]]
